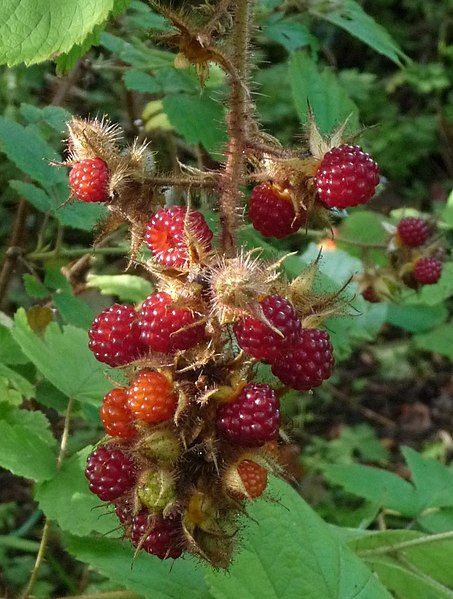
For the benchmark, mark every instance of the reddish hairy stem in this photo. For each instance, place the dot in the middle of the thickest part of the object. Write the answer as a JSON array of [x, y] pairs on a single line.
[[237, 121]]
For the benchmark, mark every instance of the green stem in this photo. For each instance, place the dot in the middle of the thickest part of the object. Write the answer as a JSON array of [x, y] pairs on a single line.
[[46, 529], [443, 536], [77, 252]]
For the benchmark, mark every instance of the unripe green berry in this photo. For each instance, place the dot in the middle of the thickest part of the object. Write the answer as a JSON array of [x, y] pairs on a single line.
[[162, 446], [156, 489]]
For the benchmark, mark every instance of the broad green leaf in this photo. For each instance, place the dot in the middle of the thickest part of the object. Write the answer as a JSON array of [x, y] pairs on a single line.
[[402, 557], [141, 82], [67, 499], [73, 310], [26, 443], [78, 215], [29, 152], [35, 30], [321, 90], [416, 319], [291, 34], [54, 116], [437, 520], [125, 287], [17, 381], [138, 54], [293, 553], [199, 119], [10, 352], [63, 357], [434, 294], [67, 61], [366, 227], [433, 480], [34, 287], [148, 576], [376, 485], [438, 340], [351, 17]]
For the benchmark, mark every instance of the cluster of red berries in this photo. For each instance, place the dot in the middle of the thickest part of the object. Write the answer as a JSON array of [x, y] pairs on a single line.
[[345, 177], [301, 358], [414, 233], [143, 468]]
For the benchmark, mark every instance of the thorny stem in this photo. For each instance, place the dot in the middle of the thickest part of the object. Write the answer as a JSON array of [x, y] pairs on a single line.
[[46, 528], [220, 10], [237, 124]]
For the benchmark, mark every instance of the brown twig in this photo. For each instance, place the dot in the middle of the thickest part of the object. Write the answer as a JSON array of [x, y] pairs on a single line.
[[14, 246]]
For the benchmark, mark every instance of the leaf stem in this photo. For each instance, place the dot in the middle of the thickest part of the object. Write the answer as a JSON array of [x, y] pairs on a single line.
[[237, 125], [443, 536], [46, 529]]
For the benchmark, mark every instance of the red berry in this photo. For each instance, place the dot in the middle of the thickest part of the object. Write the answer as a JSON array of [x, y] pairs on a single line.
[[369, 294], [166, 235], [158, 536], [116, 416], [167, 328], [115, 335], [124, 510], [427, 270], [88, 180], [272, 212], [151, 397], [110, 472], [413, 232], [259, 340], [253, 476], [307, 363], [347, 176], [252, 418]]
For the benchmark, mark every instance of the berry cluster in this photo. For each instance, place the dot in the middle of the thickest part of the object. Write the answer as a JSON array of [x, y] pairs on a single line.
[[415, 261], [192, 435], [343, 177], [189, 439]]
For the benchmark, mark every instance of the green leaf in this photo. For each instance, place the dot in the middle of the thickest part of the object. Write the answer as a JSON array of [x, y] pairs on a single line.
[[351, 17], [410, 563], [125, 287], [29, 152], [35, 30], [433, 480], [151, 578], [67, 61], [78, 215], [437, 520], [63, 357], [141, 82], [34, 287], [67, 499], [376, 485], [54, 116], [291, 34], [10, 352], [416, 319], [17, 381], [434, 294], [199, 119], [292, 553], [366, 227], [322, 91], [26, 443], [73, 310], [437, 341]]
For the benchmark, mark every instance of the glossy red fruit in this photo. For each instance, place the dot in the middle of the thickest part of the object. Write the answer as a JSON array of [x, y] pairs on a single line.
[[158, 536], [252, 419], [110, 472], [166, 235], [116, 416], [413, 232], [151, 397], [272, 212], [346, 177], [253, 477], [427, 271], [115, 336], [89, 179], [259, 340], [307, 363], [167, 328]]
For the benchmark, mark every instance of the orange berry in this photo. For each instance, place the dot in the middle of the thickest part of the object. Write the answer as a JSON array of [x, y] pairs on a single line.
[[253, 476], [151, 397]]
